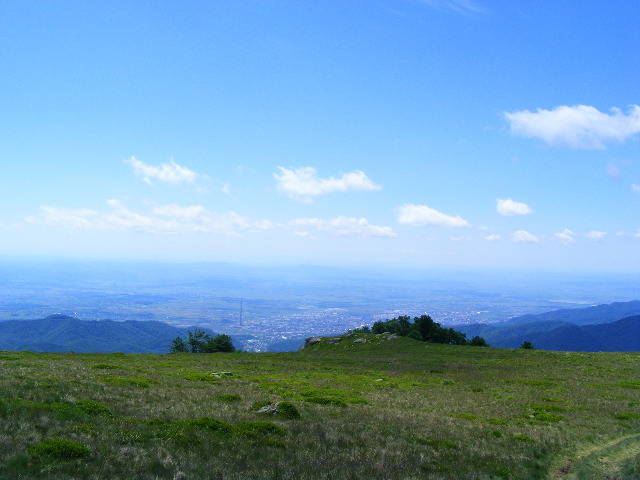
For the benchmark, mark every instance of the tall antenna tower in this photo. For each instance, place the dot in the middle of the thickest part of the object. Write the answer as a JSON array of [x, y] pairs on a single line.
[[241, 310]]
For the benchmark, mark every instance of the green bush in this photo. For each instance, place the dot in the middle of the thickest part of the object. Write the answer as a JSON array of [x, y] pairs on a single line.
[[322, 400], [105, 366], [287, 410], [128, 381], [60, 449], [210, 424], [259, 428], [627, 416], [91, 407], [478, 342]]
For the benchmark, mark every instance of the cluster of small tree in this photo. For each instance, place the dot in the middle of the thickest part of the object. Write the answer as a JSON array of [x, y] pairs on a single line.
[[199, 341], [422, 328]]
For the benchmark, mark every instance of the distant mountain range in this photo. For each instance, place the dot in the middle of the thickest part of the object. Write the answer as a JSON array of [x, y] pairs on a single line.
[[60, 333], [612, 327], [606, 313]]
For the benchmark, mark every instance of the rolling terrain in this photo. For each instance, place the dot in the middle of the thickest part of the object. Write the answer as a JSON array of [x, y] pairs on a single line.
[[613, 327], [375, 409], [60, 333]]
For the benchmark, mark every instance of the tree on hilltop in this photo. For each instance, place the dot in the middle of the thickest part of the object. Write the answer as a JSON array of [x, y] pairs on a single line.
[[199, 341], [478, 342]]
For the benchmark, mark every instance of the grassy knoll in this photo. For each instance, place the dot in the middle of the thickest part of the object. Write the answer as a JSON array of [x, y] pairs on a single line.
[[384, 409]]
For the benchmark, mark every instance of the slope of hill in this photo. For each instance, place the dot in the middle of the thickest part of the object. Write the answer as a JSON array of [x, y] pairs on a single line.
[[606, 313], [620, 336], [511, 333], [59, 333], [369, 408]]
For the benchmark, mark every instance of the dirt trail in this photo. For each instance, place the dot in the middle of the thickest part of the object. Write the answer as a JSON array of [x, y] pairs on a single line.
[[598, 462]]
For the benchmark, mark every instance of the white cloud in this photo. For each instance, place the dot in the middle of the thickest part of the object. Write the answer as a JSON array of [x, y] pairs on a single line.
[[80, 218], [304, 183], [635, 187], [579, 126], [164, 219], [522, 236], [169, 172], [411, 214], [595, 235], [347, 226], [459, 6], [566, 236], [493, 237], [508, 207], [191, 211]]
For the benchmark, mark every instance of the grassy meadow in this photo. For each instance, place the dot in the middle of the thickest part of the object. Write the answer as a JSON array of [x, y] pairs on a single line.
[[384, 409]]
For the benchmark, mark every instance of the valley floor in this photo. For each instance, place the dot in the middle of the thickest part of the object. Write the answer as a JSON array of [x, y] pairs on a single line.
[[383, 409]]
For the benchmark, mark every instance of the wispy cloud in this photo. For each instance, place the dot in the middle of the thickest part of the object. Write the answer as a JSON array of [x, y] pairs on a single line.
[[595, 235], [579, 126], [163, 219], [635, 188], [522, 236], [494, 237], [411, 214], [304, 184], [169, 172], [509, 208], [344, 226], [566, 236], [464, 7]]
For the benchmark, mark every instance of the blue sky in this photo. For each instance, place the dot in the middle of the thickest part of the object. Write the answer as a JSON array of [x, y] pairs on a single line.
[[382, 132]]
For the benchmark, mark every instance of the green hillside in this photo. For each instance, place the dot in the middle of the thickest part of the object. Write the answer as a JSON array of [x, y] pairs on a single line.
[[382, 409]]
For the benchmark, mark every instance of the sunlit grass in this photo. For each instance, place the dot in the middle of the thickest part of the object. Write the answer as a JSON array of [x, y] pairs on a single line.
[[397, 409]]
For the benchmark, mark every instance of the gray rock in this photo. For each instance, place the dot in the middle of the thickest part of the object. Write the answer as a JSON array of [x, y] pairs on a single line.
[[360, 340], [270, 409], [335, 340], [392, 337]]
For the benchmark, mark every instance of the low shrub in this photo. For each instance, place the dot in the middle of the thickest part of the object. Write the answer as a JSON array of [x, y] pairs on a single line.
[[59, 449], [287, 410], [627, 416], [105, 366], [634, 385], [320, 400], [92, 407], [545, 417], [258, 428], [209, 424], [465, 416]]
